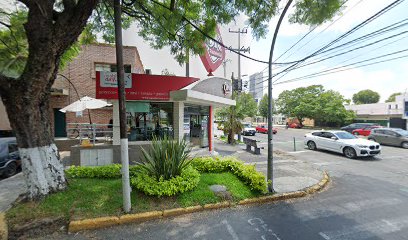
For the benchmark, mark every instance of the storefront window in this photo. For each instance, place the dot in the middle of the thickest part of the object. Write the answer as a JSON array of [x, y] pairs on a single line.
[[148, 119], [196, 124]]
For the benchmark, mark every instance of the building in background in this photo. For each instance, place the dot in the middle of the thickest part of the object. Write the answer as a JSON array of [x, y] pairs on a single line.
[[391, 114], [78, 80], [256, 86]]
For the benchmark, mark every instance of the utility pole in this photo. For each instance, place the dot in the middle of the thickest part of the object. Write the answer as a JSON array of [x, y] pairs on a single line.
[[224, 65], [270, 107], [124, 146], [240, 49]]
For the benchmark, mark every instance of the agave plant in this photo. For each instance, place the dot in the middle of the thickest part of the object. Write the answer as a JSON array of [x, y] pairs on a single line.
[[166, 159]]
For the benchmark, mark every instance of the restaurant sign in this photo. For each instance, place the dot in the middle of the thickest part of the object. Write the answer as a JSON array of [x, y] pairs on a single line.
[[214, 54], [140, 86]]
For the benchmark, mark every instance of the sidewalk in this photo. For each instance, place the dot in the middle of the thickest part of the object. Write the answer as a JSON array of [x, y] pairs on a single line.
[[289, 173], [11, 188]]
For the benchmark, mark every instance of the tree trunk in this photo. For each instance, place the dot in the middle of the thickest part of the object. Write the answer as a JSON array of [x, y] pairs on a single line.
[[49, 34], [29, 117]]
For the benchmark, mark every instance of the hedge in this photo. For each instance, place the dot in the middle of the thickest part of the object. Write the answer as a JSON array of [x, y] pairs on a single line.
[[247, 173], [186, 181]]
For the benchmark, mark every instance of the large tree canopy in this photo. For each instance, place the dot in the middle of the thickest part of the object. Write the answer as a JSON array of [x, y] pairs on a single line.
[[326, 107], [366, 97], [300, 102], [29, 66]]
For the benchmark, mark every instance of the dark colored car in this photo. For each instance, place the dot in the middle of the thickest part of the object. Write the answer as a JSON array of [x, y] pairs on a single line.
[[264, 129], [390, 136], [354, 126], [10, 161]]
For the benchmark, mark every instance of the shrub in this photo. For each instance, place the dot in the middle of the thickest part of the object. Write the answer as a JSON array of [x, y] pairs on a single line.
[[166, 159], [108, 171], [247, 173], [187, 180]]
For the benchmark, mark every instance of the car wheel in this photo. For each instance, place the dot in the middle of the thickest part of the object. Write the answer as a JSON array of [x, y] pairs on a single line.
[[349, 152], [311, 145], [404, 145], [11, 169]]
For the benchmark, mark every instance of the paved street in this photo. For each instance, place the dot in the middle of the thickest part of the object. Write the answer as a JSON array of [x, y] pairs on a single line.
[[367, 199]]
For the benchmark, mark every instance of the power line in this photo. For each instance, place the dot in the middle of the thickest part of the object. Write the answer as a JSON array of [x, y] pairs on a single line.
[[320, 73], [352, 50], [332, 23], [342, 70], [257, 88], [365, 22]]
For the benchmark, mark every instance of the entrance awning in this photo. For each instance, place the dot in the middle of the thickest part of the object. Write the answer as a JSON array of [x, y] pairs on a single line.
[[191, 96]]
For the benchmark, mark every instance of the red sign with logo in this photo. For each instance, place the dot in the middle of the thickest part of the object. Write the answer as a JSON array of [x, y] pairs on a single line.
[[141, 87], [214, 54]]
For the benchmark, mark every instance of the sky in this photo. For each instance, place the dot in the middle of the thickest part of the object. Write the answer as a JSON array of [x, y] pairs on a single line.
[[385, 78]]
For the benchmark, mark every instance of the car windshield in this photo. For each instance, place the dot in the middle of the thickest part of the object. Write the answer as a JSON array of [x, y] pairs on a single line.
[[247, 125], [402, 132], [345, 135]]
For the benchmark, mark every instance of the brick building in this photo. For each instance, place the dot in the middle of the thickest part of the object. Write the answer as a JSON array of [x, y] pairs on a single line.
[[81, 73]]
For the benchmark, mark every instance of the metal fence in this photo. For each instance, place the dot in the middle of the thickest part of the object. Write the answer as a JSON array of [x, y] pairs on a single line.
[[89, 131]]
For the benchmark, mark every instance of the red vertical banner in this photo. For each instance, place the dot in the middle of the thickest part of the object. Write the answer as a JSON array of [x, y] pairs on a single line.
[[210, 129]]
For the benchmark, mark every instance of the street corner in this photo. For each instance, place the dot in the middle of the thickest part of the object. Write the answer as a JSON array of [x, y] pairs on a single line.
[[320, 185], [3, 227]]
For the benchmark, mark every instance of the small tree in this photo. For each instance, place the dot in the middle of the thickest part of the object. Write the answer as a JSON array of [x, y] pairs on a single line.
[[233, 115], [330, 110], [300, 102], [263, 106], [366, 96], [391, 98]]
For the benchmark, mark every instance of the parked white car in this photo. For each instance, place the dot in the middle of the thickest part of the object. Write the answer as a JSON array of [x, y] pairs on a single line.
[[342, 142], [248, 129]]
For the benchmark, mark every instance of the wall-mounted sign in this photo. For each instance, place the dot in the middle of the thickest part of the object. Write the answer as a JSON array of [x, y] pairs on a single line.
[[110, 79], [226, 89], [142, 86], [214, 54]]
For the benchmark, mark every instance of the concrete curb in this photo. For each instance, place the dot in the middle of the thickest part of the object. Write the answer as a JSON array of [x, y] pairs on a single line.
[[88, 224], [3, 227]]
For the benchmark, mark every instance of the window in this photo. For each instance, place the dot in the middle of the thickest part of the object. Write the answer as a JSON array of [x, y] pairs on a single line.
[[146, 120], [111, 68], [317, 134], [327, 135], [345, 135], [390, 133], [396, 106]]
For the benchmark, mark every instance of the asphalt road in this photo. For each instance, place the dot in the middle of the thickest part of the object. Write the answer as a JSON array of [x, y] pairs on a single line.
[[367, 199]]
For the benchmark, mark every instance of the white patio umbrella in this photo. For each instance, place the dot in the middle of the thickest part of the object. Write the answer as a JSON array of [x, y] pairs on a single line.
[[85, 103]]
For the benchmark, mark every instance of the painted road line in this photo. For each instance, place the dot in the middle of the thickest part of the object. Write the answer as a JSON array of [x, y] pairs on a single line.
[[299, 152], [327, 163], [347, 208], [376, 229]]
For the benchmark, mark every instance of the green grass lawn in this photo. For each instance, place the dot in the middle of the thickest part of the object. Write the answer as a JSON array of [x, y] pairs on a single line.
[[87, 198]]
